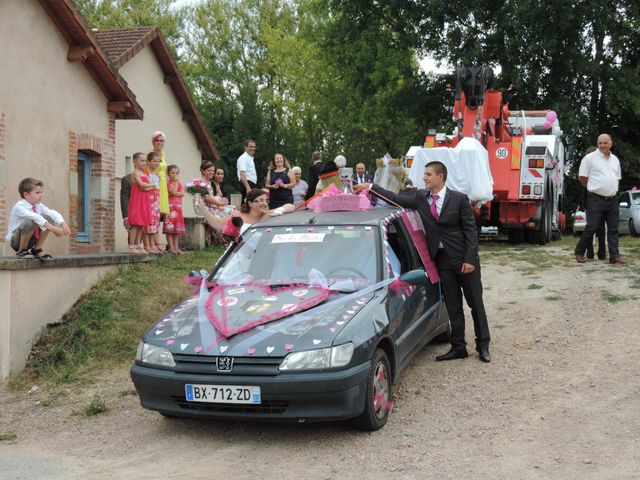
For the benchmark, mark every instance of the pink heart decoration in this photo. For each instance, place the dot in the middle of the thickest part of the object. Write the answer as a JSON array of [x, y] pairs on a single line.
[[288, 346], [251, 351], [332, 329], [246, 308], [198, 349], [169, 342]]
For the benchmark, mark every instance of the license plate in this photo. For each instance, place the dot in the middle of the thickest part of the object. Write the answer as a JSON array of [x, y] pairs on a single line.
[[223, 394]]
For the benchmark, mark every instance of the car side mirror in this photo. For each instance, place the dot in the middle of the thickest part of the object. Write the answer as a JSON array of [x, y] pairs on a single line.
[[414, 277], [623, 205]]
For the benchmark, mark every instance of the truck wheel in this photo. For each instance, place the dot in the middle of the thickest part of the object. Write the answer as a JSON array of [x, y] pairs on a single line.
[[543, 235], [515, 235]]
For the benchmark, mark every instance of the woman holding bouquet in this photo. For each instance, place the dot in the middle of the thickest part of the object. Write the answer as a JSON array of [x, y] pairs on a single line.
[[254, 209], [218, 205], [280, 181]]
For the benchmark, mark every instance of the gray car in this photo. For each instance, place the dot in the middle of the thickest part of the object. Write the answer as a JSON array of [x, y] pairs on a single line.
[[629, 206], [311, 316]]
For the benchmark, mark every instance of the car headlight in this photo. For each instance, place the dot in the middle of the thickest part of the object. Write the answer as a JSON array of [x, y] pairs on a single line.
[[320, 358], [154, 355]]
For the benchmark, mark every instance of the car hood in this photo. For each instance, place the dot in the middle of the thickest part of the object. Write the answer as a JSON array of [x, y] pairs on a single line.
[[187, 329]]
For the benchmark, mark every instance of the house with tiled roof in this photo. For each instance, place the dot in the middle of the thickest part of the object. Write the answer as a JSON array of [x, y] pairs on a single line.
[[144, 60], [61, 98]]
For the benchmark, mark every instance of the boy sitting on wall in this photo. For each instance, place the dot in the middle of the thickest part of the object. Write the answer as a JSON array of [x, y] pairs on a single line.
[[30, 221]]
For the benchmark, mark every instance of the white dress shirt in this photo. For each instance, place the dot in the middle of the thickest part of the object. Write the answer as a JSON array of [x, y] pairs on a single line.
[[23, 210], [245, 164], [602, 173]]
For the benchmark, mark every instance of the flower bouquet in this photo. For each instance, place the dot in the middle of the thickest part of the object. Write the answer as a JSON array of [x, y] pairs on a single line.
[[197, 188]]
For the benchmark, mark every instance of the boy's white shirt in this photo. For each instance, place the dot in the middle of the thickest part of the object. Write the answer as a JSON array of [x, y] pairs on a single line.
[[23, 210]]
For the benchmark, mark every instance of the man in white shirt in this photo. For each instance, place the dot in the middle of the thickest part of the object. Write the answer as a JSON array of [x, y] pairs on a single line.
[[30, 221], [600, 173], [247, 169]]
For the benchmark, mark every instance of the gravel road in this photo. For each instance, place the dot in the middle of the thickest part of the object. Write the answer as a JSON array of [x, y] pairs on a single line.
[[561, 400]]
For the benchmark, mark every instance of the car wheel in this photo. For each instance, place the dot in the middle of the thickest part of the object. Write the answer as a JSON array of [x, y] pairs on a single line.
[[632, 228], [377, 402]]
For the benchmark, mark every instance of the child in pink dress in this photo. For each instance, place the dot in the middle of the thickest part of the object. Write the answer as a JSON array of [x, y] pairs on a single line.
[[174, 222], [153, 229], [140, 214]]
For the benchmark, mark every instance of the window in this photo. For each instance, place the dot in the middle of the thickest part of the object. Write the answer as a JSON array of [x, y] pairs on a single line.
[[84, 196]]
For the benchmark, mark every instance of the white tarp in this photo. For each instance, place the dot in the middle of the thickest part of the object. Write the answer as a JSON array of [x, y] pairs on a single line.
[[467, 166]]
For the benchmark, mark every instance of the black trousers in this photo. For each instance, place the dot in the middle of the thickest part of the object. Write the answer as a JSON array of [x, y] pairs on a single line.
[[599, 209], [243, 190], [454, 284]]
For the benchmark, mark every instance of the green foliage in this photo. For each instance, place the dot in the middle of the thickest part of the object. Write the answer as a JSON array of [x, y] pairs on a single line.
[[342, 76], [96, 406], [104, 327]]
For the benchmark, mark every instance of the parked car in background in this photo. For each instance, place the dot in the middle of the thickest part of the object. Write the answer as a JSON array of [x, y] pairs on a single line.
[[629, 205], [579, 221], [245, 350]]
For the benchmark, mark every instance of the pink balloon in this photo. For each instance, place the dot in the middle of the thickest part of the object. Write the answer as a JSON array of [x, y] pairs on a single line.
[[551, 116], [547, 124]]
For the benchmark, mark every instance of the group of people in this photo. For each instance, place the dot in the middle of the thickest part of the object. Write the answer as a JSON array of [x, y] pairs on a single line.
[[151, 195]]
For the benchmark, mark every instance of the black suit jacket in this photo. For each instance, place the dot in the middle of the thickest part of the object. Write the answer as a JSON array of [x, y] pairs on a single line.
[[312, 179], [125, 193], [367, 178], [456, 227]]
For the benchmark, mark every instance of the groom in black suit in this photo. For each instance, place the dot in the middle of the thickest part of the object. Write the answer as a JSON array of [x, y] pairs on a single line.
[[453, 244]]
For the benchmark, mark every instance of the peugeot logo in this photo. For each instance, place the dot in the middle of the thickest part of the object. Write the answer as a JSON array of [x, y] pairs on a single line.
[[224, 364]]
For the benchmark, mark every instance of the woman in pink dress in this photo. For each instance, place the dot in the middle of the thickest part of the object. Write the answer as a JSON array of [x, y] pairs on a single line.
[[174, 222]]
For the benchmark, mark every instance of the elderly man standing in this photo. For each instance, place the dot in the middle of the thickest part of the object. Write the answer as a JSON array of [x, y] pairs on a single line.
[[600, 172], [361, 175], [247, 169]]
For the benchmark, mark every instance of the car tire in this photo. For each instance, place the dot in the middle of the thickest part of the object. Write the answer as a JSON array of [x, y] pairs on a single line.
[[632, 228], [378, 395]]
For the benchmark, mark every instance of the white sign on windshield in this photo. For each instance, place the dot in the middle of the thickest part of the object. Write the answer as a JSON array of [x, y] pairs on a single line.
[[298, 238]]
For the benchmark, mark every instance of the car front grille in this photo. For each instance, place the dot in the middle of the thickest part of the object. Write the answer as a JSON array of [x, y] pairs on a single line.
[[267, 407], [206, 365]]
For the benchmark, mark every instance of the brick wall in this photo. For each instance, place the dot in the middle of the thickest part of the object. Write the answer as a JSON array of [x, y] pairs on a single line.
[[103, 171], [4, 213]]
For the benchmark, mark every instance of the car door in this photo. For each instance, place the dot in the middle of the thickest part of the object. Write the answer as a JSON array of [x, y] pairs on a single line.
[[412, 310], [625, 212]]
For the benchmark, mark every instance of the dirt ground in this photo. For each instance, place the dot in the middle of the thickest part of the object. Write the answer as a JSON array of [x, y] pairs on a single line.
[[560, 400]]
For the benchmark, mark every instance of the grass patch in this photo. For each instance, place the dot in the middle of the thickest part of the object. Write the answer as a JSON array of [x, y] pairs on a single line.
[[552, 298], [534, 286], [102, 329], [96, 406], [613, 298], [8, 437]]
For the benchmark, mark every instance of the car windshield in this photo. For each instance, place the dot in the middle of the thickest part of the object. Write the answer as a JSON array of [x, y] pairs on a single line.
[[340, 257]]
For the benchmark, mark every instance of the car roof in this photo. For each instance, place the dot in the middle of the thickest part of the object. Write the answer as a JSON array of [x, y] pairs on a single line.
[[309, 217]]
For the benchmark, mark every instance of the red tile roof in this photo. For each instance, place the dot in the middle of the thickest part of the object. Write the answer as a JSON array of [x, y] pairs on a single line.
[[122, 44], [73, 28]]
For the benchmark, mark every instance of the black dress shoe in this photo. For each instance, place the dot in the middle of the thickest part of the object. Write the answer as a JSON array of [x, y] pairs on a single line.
[[484, 354], [452, 355]]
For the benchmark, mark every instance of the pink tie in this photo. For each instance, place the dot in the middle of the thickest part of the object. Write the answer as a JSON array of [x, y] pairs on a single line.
[[434, 206]]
